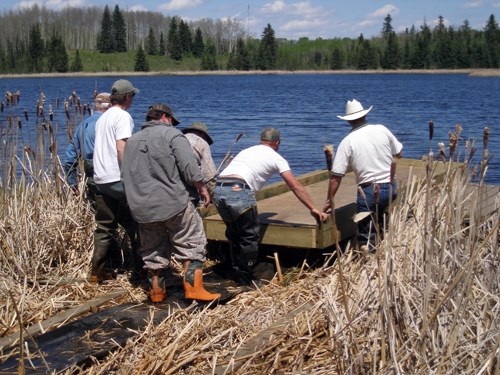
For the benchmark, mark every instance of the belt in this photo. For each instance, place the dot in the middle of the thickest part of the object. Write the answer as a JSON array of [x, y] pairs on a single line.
[[366, 184], [232, 182]]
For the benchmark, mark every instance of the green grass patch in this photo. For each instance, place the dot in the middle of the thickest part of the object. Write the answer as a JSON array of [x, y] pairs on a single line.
[[95, 62]]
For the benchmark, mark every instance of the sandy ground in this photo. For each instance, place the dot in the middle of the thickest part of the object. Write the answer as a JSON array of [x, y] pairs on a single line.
[[471, 72]]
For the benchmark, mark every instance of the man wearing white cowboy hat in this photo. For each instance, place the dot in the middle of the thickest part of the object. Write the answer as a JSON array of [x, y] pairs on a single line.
[[369, 150]]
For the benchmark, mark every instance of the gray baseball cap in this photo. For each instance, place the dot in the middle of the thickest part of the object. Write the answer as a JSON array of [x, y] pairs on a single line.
[[270, 135], [122, 86]]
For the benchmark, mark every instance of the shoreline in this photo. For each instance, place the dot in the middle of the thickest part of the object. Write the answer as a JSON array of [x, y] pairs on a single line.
[[470, 72]]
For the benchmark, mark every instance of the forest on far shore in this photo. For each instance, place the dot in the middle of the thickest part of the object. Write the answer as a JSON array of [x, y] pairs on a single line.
[[100, 39]]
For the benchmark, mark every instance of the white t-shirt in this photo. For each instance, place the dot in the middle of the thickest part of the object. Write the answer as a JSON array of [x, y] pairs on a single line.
[[114, 124], [256, 165], [369, 151]]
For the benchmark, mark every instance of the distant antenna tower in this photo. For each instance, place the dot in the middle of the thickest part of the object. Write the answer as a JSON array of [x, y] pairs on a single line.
[[248, 21]]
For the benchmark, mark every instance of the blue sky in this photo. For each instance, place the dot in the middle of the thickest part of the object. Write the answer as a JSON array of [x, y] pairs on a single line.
[[310, 18]]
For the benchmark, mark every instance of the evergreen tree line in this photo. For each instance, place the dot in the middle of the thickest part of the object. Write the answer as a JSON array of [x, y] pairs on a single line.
[[224, 45]]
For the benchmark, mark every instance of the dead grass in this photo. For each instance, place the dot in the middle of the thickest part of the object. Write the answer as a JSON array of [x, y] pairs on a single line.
[[428, 301]]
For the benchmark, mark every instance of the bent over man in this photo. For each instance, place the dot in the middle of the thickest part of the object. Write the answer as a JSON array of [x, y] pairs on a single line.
[[157, 161], [235, 200]]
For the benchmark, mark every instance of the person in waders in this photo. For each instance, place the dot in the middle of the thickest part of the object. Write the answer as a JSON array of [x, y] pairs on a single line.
[[158, 163], [235, 200], [369, 150]]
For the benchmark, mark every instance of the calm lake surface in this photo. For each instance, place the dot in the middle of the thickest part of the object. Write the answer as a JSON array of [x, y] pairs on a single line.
[[303, 106]]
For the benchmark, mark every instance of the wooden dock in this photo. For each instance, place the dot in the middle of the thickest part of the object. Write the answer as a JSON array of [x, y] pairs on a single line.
[[286, 222]]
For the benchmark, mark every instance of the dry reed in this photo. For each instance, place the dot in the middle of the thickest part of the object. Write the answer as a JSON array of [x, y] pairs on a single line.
[[428, 301]]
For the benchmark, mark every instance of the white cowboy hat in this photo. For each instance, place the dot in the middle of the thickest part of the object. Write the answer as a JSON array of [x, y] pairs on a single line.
[[354, 110]]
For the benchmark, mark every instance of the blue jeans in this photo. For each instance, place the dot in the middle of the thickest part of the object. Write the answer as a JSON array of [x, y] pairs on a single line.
[[377, 206], [238, 209]]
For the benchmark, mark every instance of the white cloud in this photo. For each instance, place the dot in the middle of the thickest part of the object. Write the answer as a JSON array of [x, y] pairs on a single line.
[[496, 5], [306, 9], [299, 17], [179, 4], [139, 8], [300, 25], [274, 7], [384, 11], [51, 4], [472, 4], [303, 8], [374, 18], [364, 23]]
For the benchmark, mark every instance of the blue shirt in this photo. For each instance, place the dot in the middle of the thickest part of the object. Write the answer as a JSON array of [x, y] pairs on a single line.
[[81, 146]]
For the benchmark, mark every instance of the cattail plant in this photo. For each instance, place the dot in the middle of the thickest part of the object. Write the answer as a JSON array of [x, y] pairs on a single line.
[[442, 151], [484, 161], [453, 139], [228, 154]]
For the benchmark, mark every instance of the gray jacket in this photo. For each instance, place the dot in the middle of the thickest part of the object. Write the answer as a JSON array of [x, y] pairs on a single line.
[[158, 161]]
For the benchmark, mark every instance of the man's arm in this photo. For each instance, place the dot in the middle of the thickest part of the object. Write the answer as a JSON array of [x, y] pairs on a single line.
[[71, 165], [333, 187], [393, 166], [120, 147], [203, 192], [72, 153], [302, 195]]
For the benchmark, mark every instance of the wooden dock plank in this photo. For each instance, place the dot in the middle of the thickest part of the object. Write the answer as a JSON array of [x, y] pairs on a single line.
[[286, 222]]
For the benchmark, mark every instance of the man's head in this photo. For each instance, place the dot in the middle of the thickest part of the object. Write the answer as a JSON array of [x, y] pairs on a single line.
[[271, 137], [354, 111], [201, 129], [102, 101], [159, 111], [122, 92]]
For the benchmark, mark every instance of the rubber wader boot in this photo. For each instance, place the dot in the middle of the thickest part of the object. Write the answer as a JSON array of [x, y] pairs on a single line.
[[99, 271], [157, 292], [193, 282]]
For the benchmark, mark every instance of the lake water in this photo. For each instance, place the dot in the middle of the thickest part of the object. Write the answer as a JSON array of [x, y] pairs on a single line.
[[303, 106]]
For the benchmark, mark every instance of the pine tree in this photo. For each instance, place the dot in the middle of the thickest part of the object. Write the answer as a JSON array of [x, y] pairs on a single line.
[[492, 42], [173, 46], [198, 45], [391, 58], [141, 62], [231, 60], [406, 60], [161, 50], [337, 59], [465, 52], [58, 57], [387, 28], [422, 51], [105, 38], [185, 38], [238, 58], [208, 60], [36, 49], [442, 52], [76, 65], [268, 50], [118, 31], [392, 53], [151, 46]]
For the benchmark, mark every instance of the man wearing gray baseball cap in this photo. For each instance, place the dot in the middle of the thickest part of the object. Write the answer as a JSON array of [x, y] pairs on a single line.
[[112, 131]]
